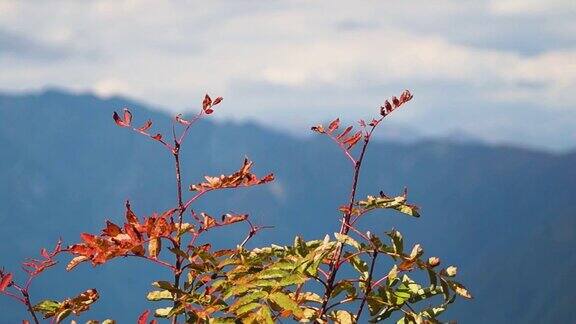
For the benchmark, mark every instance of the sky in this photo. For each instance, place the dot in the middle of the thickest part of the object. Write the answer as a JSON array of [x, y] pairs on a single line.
[[501, 71]]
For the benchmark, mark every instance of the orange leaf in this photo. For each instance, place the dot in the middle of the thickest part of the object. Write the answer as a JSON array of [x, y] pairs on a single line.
[[6, 281], [351, 141], [318, 129], [111, 229], [127, 116], [406, 265], [76, 261], [208, 222], [217, 101], [344, 133], [334, 125], [241, 178], [143, 317], [146, 126], [119, 120], [154, 247], [130, 216], [207, 105], [233, 218]]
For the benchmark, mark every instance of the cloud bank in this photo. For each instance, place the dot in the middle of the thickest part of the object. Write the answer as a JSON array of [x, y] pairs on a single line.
[[502, 71]]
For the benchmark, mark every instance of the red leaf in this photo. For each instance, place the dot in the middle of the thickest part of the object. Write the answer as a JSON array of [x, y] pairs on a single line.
[[318, 129], [406, 96], [362, 123], [182, 120], [217, 101], [111, 229], [119, 120], [6, 281], [143, 317], [146, 126], [207, 103], [127, 117], [88, 238], [157, 137], [233, 218], [208, 222], [334, 125], [345, 132], [240, 178], [351, 141], [44, 253], [130, 216]]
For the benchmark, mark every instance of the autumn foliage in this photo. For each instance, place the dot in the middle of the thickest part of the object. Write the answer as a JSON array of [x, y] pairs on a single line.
[[337, 278]]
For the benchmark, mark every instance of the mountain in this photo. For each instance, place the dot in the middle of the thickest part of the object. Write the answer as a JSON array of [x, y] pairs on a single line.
[[506, 216]]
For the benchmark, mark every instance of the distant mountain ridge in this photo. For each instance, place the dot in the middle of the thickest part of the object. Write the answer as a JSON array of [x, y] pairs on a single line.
[[505, 215]]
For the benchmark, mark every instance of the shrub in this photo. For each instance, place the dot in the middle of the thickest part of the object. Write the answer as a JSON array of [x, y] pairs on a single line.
[[331, 279]]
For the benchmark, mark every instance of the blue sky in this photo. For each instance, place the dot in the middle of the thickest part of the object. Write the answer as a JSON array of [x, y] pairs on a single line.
[[501, 71]]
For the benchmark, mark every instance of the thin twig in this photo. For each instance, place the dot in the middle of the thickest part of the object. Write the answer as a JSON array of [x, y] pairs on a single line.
[[160, 262], [346, 152], [368, 284]]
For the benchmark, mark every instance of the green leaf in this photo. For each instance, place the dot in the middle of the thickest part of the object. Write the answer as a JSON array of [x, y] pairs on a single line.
[[411, 284], [249, 298], [460, 289], [392, 275], [159, 295], [342, 317], [246, 308], [265, 316], [397, 203], [409, 319], [63, 314], [445, 289], [225, 320], [165, 285], [285, 302], [293, 279], [236, 290], [185, 228], [163, 312], [47, 307], [403, 292], [178, 252], [433, 278], [345, 239], [344, 286], [425, 293], [397, 241], [300, 246], [308, 297], [433, 312], [360, 265], [272, 273]]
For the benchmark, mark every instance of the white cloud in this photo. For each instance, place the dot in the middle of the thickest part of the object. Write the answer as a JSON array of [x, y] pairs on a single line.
[[532, 7], [287, 54]]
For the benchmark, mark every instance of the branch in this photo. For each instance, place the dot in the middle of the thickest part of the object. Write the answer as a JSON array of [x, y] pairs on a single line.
[[346, 152], [368, 284], [253, 231]]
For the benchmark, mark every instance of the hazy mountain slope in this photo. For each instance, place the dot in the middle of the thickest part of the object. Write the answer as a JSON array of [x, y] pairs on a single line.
[[506, 216]]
